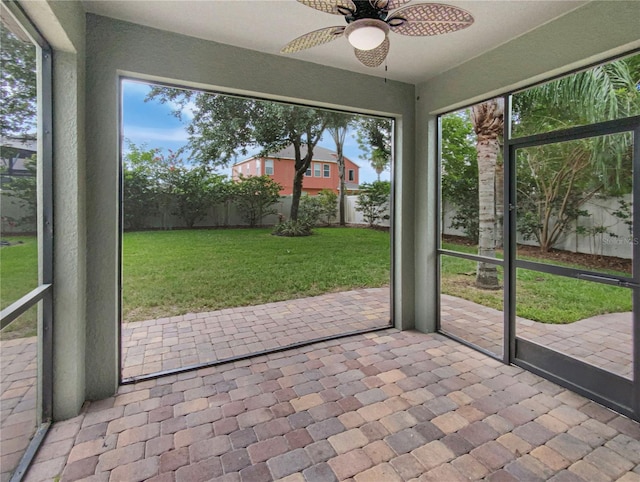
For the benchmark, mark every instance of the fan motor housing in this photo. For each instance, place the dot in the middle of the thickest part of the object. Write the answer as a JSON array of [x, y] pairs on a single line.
[[365, 9]]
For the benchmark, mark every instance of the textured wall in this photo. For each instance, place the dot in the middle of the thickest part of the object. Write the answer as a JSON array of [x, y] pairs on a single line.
[[63, 25]]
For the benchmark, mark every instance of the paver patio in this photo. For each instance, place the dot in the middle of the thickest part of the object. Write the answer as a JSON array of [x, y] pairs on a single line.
[[382, 365], [18, 368], [604, 341], [181, 341], [378, 407]]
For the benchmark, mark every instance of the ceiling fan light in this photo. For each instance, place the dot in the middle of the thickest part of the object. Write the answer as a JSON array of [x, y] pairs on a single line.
[[366, 34], [366, 38]]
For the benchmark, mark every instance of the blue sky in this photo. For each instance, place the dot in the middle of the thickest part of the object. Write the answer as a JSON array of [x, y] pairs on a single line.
[[152, 124]]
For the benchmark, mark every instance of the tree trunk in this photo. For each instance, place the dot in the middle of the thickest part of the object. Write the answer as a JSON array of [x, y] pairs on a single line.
[[499, 202], [341, 190], [488, 121], [295, 196], [487, 276]]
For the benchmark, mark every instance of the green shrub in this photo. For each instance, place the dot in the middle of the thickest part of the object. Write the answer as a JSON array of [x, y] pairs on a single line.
[[328, 205], [310, 210], [255, 196], [292, 229], [373, 201]]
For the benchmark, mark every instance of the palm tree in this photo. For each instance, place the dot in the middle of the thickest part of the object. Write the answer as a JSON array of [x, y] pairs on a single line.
[[337, 128], [374, 138], [379, 161], [556, 180], [605, 92], [488, 122]]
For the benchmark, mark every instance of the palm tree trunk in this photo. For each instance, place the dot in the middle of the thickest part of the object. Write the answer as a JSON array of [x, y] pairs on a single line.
[[487, 119]]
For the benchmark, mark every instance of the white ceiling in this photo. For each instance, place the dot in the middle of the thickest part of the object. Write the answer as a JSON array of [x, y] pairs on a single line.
[[268, 25]]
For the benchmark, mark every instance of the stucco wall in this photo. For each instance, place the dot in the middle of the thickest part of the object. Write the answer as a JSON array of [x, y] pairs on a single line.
[[591, 33], [115, 47], [63, 25]]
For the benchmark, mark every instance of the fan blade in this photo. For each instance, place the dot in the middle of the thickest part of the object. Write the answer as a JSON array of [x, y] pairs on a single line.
[[330, 6], [373, 58], [312, 39], [396, 3], [429, 19]]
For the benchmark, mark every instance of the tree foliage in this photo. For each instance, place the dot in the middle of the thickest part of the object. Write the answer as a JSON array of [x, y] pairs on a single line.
[[319, 208], [555, 181], [157, 183], [373, 201], [24, 190], [223, 126], [193, 190], [140, 185], [18, 86], [375, 137], [338, 125], [460, 173], [255, 196]]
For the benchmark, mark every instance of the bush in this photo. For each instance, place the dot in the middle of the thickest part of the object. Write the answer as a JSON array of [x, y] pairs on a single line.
[[292, 229], [310, 210], [373, 201], [24, 190], [328, 205], [255, 196]]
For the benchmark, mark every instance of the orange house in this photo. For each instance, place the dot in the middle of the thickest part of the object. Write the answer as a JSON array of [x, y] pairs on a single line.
[[322, 174]]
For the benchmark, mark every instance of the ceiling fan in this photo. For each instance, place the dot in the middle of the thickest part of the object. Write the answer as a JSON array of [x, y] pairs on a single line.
[[370, 21]]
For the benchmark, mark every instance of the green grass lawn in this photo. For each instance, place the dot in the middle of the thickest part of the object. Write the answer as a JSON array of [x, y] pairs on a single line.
[[539, 296], [167, 273], [18, 276], [173, 272]]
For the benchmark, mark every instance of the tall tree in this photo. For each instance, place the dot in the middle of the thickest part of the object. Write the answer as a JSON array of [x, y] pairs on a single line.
[[555, 181], [488, 121], [18, 87], [374, 137], [223, 125], [338, 126], [460, 173]]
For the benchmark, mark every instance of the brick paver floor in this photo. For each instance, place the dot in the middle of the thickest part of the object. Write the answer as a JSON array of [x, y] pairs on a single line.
[[377, 407], [361, 309], [181, 341], [18, 367], [605, 341]]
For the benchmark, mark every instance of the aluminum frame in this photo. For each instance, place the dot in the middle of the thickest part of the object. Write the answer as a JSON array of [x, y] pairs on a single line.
[[620, 394], [44, 292], [607, 388], [392, 318]]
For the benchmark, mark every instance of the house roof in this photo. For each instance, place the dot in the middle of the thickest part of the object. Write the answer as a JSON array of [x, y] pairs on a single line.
[[319, 154], [16, 143]]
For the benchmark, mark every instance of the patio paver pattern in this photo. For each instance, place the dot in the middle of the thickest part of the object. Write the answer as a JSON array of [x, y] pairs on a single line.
[[195, 338], [605, 341], [384, 406], [18, 367]]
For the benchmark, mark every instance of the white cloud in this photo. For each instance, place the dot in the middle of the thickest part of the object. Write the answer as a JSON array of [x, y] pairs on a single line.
[[188, 111], [138, 88]]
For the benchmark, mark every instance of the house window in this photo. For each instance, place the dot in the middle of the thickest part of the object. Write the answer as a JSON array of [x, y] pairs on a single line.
[[308, 172], [316, 169], [326, 170], [352, 175], [268, 167], [258, 167]]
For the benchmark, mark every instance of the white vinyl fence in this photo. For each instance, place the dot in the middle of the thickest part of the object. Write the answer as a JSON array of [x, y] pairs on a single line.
[[614, 240]]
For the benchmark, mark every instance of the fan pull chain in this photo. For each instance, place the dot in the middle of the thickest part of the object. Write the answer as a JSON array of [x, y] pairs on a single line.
[[386, 69]]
